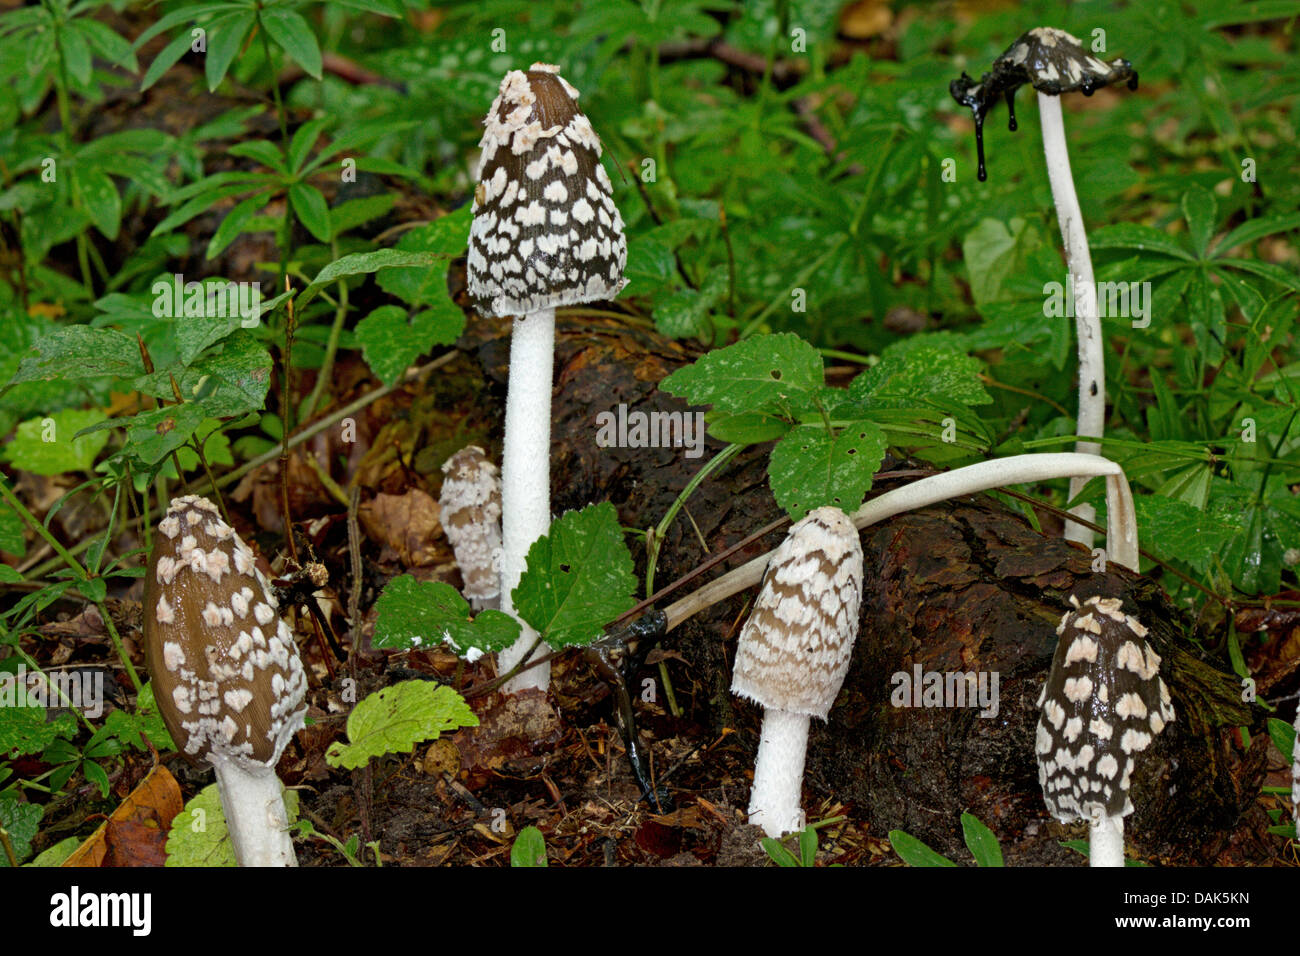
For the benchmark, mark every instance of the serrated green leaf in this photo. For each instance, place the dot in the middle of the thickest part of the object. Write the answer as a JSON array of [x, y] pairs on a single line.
[[198, 834], [809, 468], [578, 577], [21, 821], [413, 613], [915, 853], [362, 263], [228, 380], [919, 368], [23, 726], [151, 436], [446, 238], [981, 841], [682, 314], [48, 446], [391, 341], [764, 373], [1178, 531], [397, 718], [529, 848], [78, 352], [1129, 235]]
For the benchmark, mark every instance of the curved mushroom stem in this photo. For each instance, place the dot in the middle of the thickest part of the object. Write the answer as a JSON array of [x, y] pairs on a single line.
[[1106, 842], [1121, 532], [256, 819], [526, 476], [1091, 418], [1295, 775], [778, 773]]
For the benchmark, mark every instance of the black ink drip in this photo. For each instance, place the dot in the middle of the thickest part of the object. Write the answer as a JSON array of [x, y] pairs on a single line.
[[1011, 109]]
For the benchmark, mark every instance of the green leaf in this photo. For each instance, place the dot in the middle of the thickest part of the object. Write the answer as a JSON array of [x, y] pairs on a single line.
[[391, 341], [920, 368], [106, 41], [57, 854], [11, 532], [1283, 735], [48, 446], [131, 728], [385, 8], [1128, 235], [981, 841], [915, 853], [764, 373], [103, 203], [777, 853], [413, 613], [361, 263], [166, 59], [682, 314], [229, 379], [293, 34], [397, 718], [747, 428], [578, 577], [1178, 531], [313, 212], [810, 469], [151, 436], [262, 151], [78, 352], [225, 37], [234, 223], [198, 834], [446, 238], [1201, 212], [1255, 229], [303, 140], [529, 848], [994, 251], [23, 724], [75, 52], [21, 821]]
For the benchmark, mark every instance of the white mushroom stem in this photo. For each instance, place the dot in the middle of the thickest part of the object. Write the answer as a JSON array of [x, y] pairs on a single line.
[[1121, 532], [526, 476], [1091, 417], [256, 819], [778, 773], [1295, 775], [1106, 842]]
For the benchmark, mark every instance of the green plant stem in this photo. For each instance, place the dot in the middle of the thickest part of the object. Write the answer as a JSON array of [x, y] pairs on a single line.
[[656, 536], [331, 346]]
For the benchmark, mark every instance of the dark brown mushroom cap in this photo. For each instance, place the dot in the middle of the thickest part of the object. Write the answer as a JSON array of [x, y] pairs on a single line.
[[1102, 705], [795, 648], [546, 232], [225, 668]]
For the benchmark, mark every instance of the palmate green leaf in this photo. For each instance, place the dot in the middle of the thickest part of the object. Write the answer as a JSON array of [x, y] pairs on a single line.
[[447, 238], [104, 40], [764, 373], [413, 613], [198, 834], [391, 341], [981, 841], [1201, 211], [48, 446], [397, 718], [1128, 235], [76, 52], [1255, 229], [24, 728], [1254, 557], [145, 722], [21, 821], [78, 352], [260, 150], [921, 367], [1177, 531], [915, 853], [293, 34], [578, 577], [809, 468]]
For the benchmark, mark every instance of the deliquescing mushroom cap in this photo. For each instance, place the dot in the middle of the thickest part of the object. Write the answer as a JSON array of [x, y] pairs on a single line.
[[1102, 705], [546, 232], [225, 668], [1052, 61], [470, 505], [794, 650]]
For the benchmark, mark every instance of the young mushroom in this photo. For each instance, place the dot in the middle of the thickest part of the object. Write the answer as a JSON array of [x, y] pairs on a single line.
[[546, 233], [470, 505], [225, 671], [1054, 62], [1102, 705], [794, 652]]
